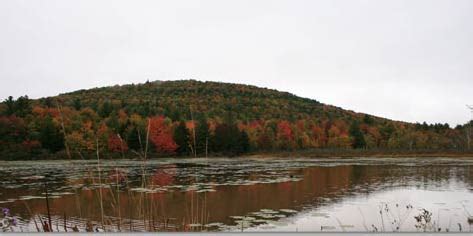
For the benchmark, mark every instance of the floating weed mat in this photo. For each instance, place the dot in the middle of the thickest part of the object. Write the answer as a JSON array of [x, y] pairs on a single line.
[[264, 219], [148, 190], [320, 214], [289, 211], [30, 197], [81, 174]]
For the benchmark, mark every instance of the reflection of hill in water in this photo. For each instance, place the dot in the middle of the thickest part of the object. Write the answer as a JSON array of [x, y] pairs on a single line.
[[318, 186]]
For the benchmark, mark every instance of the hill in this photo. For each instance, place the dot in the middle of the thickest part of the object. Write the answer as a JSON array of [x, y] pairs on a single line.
[[174, 99], [197, 118]]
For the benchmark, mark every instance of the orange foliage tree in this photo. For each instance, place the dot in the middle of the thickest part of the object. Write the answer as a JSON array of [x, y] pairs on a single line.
[[160, 134]]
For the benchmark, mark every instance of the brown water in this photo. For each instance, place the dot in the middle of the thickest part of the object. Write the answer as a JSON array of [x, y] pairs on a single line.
[[362, 194]]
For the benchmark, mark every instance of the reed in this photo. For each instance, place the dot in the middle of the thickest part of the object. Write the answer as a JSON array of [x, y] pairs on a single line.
[[382, 219], [47, 204], [364, 219], [100, 184], [118, 199], [31, 214], [65, 222]]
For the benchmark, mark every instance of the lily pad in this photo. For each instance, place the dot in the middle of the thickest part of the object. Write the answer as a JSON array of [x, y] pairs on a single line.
[[327, 227], [288, 211], [320, 214], [194, 225], [214, 224]]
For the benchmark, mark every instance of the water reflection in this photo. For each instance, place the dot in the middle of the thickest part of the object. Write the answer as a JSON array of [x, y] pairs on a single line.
[[164, 176], [241, 194]]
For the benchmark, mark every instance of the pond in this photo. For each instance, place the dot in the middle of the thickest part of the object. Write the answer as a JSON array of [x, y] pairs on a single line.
[[238, 194]]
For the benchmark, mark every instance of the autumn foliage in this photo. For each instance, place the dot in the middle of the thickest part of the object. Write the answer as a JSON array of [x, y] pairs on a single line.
[[116, 144], [198, 119], [161, 135]]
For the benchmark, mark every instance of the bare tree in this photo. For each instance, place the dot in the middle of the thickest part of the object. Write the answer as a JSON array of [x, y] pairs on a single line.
[[63, 130], [468, 131]]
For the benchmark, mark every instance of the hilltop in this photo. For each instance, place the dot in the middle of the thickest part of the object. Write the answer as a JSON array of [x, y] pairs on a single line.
[[214, 99]]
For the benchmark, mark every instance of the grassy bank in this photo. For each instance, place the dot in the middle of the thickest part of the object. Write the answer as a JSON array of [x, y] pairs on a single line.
[[309, 153], [350, 153]]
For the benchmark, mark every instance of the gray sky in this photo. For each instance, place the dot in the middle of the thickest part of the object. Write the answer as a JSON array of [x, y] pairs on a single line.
[[407, 60]]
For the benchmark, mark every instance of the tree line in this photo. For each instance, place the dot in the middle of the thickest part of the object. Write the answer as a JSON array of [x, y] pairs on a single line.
[[173, 122]]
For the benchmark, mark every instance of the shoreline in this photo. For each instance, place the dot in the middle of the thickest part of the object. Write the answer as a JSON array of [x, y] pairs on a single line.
[[315, 153], [364, 153]]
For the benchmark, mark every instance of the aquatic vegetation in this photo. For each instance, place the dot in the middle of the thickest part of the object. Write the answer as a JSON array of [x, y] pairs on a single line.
[[327, 227], [424, 220], [7, 222], [320, 214], [214, 224], [290, 211]]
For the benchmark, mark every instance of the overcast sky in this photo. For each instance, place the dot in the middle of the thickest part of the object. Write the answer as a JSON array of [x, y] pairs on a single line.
[[406, 60]]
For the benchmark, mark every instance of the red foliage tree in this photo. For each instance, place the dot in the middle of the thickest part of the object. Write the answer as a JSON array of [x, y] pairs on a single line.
[[319, 136], [285, 135], [116, 144], [160, 134], [285, 131]]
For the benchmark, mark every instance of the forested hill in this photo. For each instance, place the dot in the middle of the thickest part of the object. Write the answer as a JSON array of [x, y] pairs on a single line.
[[212, 99], [199, 118]]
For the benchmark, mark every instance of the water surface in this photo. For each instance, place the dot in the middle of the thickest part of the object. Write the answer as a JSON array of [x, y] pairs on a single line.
[[242, 194]]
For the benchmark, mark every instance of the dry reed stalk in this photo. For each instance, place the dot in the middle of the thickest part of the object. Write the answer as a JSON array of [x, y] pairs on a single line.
[[192, 207], [47, 205], [119, 206], [364, 220], [152, 223], [41, 221], [100, 184], [197, 209], [143, 179], [114, 205], [208, 217], [139, 140], [129, 203], [76, 195], [32, 216], [129, 217], [65, 222], [150, 215], [121, 146], [78, 202], [382, 219], [143, 208], [147, 137], [202, 213]]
